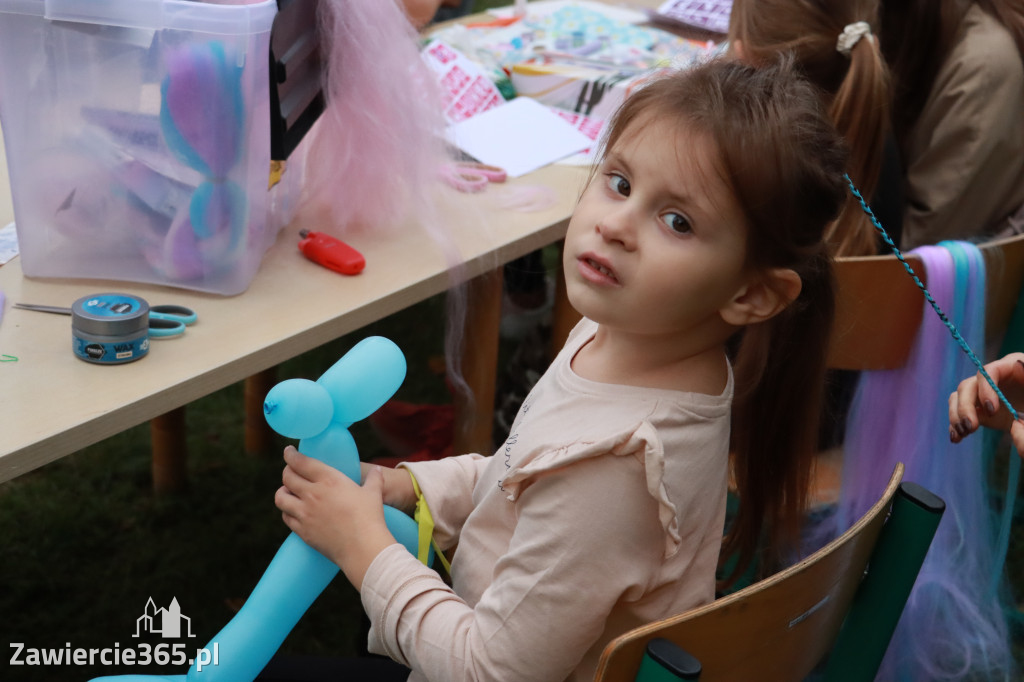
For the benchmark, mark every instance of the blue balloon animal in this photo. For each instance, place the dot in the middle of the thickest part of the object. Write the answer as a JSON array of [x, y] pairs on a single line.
[[319, 413]]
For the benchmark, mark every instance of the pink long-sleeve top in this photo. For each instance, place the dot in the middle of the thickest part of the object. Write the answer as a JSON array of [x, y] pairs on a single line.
[[603, 510]]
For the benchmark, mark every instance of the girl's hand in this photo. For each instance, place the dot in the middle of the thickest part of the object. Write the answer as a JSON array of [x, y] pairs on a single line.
[[397, 491], [333, 514], [975, 404]]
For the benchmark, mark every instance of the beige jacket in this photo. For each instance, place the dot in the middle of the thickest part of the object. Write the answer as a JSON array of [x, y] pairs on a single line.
[[603, 510], [964, 158]]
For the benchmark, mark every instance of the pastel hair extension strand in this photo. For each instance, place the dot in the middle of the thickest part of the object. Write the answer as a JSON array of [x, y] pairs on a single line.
[[953, 623]]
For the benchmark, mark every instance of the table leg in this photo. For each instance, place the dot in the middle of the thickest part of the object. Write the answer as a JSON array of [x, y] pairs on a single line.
[[259, 437], [474, 422], [167, 436], [563, 316]]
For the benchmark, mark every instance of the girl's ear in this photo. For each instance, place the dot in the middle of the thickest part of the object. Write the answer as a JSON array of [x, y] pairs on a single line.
[[763, 298]]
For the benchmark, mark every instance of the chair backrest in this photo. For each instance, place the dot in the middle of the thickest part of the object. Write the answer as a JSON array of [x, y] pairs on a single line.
[[779, 628], [879, 308]]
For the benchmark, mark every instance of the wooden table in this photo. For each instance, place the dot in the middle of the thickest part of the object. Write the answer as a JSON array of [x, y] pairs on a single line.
[[53, 404]]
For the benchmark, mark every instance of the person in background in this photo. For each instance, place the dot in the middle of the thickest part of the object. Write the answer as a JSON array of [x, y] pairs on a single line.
[[958, 114], [835, 47]]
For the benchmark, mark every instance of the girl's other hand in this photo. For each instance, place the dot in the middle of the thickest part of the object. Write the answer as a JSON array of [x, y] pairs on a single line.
[[397, 491], [333, 514], [975, 404]]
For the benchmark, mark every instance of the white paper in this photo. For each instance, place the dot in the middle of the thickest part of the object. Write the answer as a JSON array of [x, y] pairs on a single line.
[[8, 243], [520, 136]]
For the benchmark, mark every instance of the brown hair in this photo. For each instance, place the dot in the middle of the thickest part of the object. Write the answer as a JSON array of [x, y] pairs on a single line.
[[784, 162], [855, 87]]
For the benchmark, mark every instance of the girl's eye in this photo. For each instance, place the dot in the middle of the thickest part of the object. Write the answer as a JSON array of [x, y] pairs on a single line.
[[678, 223], [618, 184]]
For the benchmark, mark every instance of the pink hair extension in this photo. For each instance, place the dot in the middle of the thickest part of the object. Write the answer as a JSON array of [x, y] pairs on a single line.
[[378, 146], [954, 625], [375, 152]]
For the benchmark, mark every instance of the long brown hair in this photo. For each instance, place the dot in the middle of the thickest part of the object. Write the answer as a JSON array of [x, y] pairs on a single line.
[[784, 162], [856, 87]]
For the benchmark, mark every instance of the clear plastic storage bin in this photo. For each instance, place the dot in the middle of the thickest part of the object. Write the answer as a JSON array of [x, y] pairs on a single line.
[[137, 138]]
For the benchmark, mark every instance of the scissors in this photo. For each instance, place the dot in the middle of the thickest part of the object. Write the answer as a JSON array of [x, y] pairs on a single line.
[[164, 320]]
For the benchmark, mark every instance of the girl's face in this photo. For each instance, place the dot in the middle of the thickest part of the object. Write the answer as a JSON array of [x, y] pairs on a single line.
[[657, 243]]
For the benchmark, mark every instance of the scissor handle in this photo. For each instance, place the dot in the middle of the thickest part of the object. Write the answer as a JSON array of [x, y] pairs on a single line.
[[178, 314], [165, 326]]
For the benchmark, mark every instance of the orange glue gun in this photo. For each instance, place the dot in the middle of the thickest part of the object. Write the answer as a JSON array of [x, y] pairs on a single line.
[[331, 252]]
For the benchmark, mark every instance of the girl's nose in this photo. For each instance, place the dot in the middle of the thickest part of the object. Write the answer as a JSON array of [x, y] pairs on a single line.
[[617, 226]]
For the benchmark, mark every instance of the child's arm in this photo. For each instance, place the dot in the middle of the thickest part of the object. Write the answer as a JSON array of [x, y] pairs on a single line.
[[447, 485], [333, 514], [552, 590], [345, 521], [397, 489]]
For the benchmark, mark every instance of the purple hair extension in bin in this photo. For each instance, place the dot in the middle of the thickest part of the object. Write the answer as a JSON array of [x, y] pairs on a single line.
[[202, 117]]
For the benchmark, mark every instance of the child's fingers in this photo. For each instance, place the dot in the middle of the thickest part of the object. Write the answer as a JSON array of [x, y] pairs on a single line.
[[1017, 434], [373, 479], [286, 502], [963, 415], [307, 467], [365, 468], [987, 399], [294, 482]]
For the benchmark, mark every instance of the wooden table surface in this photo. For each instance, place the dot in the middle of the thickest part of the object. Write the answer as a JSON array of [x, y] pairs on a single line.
[[53, 404]]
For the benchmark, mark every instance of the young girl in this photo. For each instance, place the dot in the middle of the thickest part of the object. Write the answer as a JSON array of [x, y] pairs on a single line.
[[605, 507]]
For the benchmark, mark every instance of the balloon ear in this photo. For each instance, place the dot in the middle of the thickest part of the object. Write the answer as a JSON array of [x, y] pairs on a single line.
[[298, 408], [364, 378]]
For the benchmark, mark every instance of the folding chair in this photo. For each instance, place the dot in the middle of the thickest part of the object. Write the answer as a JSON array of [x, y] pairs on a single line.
[[835, 610]]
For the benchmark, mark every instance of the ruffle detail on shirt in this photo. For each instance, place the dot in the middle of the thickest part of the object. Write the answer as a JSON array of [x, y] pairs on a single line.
[[644, 439]]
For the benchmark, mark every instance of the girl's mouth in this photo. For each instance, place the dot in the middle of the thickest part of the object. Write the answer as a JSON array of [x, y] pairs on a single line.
[[596, 270]]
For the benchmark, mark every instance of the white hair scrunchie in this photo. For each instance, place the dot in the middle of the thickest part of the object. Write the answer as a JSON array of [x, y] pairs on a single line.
[[850, 35]]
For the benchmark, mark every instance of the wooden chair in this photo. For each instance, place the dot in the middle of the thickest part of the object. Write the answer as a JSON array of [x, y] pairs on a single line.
[[879, 308], [846, 599]]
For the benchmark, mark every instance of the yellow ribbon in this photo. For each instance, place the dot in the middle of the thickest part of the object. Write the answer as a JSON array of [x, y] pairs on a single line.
[[426, 529]]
